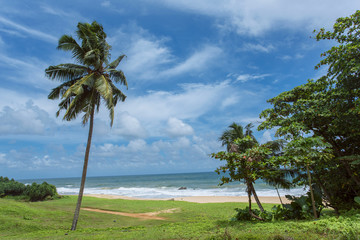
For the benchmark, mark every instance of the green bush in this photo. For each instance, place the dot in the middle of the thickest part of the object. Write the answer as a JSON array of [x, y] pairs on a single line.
[[299, 208], [33, 192], [10, 187], [40, 192]]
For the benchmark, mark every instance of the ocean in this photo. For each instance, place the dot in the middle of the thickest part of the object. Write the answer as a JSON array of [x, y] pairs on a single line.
[[161, 186]]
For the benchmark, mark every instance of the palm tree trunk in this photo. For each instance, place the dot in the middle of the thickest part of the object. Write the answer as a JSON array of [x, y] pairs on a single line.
[[249, 195], [83, 178], [256, 198], [311, 192], [277, 190], [249, 191]]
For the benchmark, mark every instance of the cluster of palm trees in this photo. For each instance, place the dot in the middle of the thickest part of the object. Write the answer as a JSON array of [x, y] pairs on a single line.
[[87, 84]]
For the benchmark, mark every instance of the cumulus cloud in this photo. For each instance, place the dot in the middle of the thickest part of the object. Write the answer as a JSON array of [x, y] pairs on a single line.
[[177, 128], [129, 127], [192, 101], [181, 154], [28, 119]]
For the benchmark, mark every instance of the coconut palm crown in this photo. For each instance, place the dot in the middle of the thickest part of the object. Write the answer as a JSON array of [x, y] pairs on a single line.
[[92, 79]]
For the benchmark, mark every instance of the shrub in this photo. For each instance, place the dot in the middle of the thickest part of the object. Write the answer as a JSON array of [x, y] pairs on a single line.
[[40, 192], [299, 208], [10, 187]]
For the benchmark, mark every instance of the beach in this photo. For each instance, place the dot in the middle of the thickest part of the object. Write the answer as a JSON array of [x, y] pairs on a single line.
[[191, 187], [199, 199]]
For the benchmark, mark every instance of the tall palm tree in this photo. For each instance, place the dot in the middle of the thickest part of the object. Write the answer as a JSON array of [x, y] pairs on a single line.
[[86, 84]]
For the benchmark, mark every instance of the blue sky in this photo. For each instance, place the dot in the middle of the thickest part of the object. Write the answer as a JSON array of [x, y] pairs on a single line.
[[193, 68]]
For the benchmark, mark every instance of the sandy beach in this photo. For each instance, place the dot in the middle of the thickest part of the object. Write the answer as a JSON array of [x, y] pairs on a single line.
[[199, 199]]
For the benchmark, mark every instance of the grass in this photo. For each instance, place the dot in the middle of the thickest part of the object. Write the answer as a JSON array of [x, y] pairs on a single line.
[[52, 220]]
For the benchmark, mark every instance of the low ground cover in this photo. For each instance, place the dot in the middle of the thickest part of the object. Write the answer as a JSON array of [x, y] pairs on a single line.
[[52, 220]]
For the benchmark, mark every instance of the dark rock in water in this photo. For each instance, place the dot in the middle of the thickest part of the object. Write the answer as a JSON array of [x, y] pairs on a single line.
[[182, 188]]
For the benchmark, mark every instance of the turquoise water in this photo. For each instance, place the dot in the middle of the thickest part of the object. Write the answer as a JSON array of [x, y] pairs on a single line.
[[160, 186]]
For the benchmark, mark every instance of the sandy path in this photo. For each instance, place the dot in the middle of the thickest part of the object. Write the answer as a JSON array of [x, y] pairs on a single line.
[[150, 215]]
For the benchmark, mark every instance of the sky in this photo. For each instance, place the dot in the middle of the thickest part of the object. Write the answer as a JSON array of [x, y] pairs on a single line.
[[193, 68]]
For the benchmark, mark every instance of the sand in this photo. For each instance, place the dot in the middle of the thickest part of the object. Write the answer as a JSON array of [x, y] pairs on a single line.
[[199, 199], [149, 215]]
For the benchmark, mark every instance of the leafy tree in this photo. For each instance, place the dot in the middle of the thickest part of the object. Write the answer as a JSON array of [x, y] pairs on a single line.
[[307, 154], [247, 160], [328, 108], [87, 84]]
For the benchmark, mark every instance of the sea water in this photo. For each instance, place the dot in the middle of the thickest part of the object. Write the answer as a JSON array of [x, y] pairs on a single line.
[[161, 186]]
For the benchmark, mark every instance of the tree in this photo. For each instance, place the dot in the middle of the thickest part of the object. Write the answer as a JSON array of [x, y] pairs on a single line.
[[247, 160], [87, 84], [229, 137], [328, 107], [308, 154]]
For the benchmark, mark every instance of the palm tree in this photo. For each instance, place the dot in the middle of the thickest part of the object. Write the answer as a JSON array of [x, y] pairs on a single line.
[[236, 131], [87, 84]]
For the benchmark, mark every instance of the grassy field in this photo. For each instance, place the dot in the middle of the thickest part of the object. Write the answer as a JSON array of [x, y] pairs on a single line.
[[52, 220]]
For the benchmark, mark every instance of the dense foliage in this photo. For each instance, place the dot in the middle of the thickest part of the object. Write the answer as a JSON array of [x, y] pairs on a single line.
[[327, 112], [10, 187], [247, 160], [33, 192], [40, 192], [320, 122]]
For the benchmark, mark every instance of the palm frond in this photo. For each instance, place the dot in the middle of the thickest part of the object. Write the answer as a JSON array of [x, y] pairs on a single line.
[[78, 88], [118, 77], [65, 72], [115, 63], [118, 95], [60, 90], [68, 43], [102, 85]]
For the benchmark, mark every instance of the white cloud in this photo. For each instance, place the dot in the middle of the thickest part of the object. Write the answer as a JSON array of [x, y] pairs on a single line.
[[27, 30], [177, 128], [196, 62], [228, 101], [28, 119], [154, 109], [247, 77], [288, 57], [266, 137], [258, 48], [129, 127], [148, 56], [2, 158], [29, 68], [105, 3], [181, 153], [258, 17]]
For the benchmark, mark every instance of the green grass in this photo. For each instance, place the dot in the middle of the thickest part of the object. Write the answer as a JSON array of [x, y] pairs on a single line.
[[52, 220]]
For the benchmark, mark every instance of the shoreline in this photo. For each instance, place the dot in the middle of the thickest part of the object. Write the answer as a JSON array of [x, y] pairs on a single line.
[[199, 199]]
